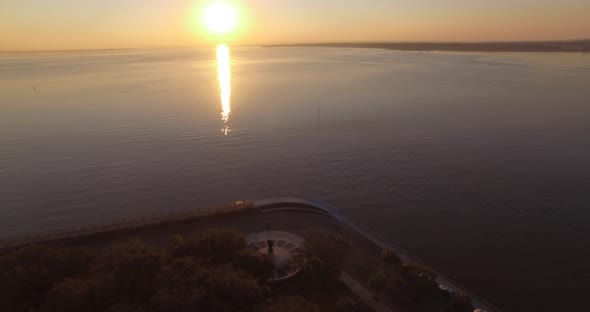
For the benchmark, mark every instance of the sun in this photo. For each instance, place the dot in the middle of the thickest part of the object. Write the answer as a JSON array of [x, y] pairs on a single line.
[[220, 18]]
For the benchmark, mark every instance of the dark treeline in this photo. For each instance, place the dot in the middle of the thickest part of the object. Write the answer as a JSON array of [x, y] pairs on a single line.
[[413, 287], [213, 271]]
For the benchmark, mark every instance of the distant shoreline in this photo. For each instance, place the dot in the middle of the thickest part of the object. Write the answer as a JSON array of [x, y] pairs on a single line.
[[574, 46], [568, 46]]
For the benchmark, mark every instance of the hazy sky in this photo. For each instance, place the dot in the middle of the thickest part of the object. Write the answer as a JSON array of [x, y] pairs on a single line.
[[87, 24]]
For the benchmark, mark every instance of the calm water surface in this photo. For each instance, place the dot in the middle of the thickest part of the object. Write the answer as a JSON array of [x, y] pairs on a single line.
[[477, 163]]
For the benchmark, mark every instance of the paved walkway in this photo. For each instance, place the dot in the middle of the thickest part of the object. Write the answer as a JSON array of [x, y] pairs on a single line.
[[363, 293]]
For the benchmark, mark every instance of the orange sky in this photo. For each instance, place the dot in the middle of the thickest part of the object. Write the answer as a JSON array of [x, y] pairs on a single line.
[[89, 24]]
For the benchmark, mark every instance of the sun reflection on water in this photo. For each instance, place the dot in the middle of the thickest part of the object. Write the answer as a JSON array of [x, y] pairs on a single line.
[[224, 76]]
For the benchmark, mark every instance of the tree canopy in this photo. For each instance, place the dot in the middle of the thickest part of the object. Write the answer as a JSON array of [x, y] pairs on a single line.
[[413, 286], [213, 271]]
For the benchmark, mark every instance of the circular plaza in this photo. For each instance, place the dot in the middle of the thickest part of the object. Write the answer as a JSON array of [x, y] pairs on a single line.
[[284, 248]]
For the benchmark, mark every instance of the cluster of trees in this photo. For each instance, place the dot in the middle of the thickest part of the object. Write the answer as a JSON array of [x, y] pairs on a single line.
[[324, 257], [213, 271], [414, 287], [320, 274]]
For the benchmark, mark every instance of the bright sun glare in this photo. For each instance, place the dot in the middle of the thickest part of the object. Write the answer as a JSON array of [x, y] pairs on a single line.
[[220, 18]]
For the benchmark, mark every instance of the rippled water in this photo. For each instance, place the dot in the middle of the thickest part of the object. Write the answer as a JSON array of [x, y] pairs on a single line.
[[477, 163]]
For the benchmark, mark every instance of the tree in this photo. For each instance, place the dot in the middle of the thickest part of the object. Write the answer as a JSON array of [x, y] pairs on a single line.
[[325, 254], [27, 274], [255, 263], [178, 299], [181, 286], [232, 291], [418, 288], [288, 304], [213, 271], [326, 247], [313, 266], [345, 304], [378, 281], [134, 265], [78, 294], [80, 261], [319, 272], [126, 307], [217, 245], [183, 273], [173, 243]]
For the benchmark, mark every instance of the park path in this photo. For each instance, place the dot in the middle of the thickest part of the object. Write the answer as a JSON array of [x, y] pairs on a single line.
[[363, 293]]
